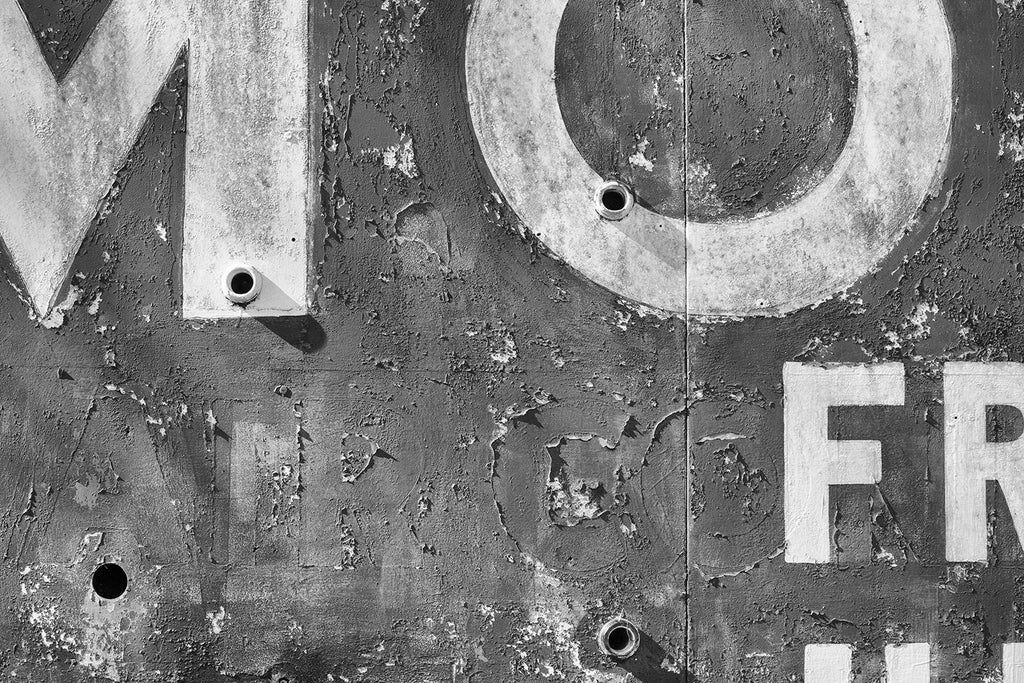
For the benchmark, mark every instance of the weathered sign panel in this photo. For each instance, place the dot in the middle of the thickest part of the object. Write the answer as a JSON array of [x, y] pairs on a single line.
[[568, 340]]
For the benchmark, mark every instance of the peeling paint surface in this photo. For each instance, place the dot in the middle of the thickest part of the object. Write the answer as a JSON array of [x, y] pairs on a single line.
[[470, 452]]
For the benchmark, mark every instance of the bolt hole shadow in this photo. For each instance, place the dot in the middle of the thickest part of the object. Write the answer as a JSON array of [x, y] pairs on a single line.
[[302, 332], [645, 665]]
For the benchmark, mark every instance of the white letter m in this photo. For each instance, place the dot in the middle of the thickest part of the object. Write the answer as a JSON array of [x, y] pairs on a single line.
[[247, 178]]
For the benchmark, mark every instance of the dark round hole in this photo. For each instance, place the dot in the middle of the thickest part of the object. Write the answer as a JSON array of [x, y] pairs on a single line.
[[242, 283], [619, 639], [613, 199], [109, 581]]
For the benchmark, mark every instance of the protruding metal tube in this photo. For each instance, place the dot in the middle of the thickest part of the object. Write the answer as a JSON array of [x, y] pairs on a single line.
[[613, 200], [619, 638], [242, 283]]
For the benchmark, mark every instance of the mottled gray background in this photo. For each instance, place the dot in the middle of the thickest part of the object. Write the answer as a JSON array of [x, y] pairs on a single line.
[[485, 455]]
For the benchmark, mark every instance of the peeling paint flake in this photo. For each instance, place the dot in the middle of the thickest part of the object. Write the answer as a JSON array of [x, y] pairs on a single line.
[[59, 313], [401, 158]]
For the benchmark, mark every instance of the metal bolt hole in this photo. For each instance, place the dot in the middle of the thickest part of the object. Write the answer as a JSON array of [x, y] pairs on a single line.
[[613, 199], [242, 283], [109, 581]]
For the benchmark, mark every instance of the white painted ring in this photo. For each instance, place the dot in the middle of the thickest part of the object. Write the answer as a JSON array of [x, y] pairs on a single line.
[[769, 265], [233, 292]]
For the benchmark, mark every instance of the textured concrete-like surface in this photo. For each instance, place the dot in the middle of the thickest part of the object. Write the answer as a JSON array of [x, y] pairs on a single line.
[[468, 456]]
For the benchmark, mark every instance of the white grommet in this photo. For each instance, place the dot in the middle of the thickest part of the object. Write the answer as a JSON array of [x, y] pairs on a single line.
[[242, 284], [613, 200], [619, 638]]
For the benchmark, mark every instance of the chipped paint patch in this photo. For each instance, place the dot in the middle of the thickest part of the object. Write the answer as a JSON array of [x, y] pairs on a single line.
[[218, 620], [639, 158], [546, 645], [401, 158], [701, 191], [108, 627], [1011, 137], [59, 313], [88, 494], [500, 342]]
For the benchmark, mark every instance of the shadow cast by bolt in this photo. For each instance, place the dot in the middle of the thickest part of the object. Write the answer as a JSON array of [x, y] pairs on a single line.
[[645, 665], [302, 332]]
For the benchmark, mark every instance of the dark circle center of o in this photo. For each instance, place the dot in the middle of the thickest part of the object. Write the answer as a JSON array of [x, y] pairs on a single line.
[[619, 639], [242, 283], [109, 581], [770, 89], [613, 200]]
